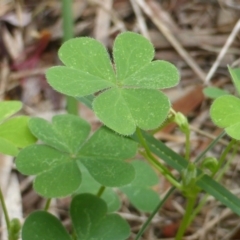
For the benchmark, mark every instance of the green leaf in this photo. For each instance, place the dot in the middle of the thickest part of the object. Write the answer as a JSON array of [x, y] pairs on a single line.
[[35, 159], [142, 198], [131, 52], [73, 81], [109, 172], [88, 55], [41, 225], [89, 70], [90, 185], [59, 181], [66, 133], [103, 156], [235, 74], [8, 108], [107, 144], [139, 190], [214, 92], [57, 174], [16, 131], [131, 108], [148, 76], [91, 221], [56, 167], [225, 113], [7, 147], [177, 162]]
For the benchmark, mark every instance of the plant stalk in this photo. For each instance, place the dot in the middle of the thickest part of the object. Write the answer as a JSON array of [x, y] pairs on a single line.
[[224, 155], [68, 33], [210, 146], [185, 222], [163, 170], [218, 178], [100, 191], [47, 205]]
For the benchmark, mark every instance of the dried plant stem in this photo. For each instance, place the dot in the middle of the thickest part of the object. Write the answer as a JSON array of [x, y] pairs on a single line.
[[172, 39], [223, 51]]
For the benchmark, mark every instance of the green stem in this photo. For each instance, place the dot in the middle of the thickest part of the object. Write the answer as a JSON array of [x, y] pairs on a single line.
[[224, 154], [145, 225], [47, 205], [210, 146], [100, 191], [185, 222], [163, 170], [68, 33], [218, 178], [226, 166], [4, 208]]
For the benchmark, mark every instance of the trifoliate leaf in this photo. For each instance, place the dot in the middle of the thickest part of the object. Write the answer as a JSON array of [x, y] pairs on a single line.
[[16, 130], [41, 225], [89, 70], [139, 191], [57, 166], [8, 108], [91, 221], [225, 113]]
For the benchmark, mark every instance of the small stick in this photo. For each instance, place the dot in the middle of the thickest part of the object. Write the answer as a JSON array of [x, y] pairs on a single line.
[[171, 38], [222, 53], [141, 20]]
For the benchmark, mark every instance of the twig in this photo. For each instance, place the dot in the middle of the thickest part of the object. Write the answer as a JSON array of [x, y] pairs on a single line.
[[118, 22], [171, 38], [141, 20], [222, 53], [102, 22]]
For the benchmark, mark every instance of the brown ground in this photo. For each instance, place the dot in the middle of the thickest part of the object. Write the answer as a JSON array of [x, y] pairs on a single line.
[[201, 37]]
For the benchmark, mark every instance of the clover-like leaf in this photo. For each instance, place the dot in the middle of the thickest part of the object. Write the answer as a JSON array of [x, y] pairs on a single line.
[[8, 108], [56, 165], [14, 132], [235, 74], [119, 104], [103, 156], [7, 147], [91, 221], [41, 225], [225, 113], [66, 133], [139, 191], [90, 185], [214, 92]]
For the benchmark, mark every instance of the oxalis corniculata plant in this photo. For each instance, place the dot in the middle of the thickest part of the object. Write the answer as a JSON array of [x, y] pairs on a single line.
[[125, 96]]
